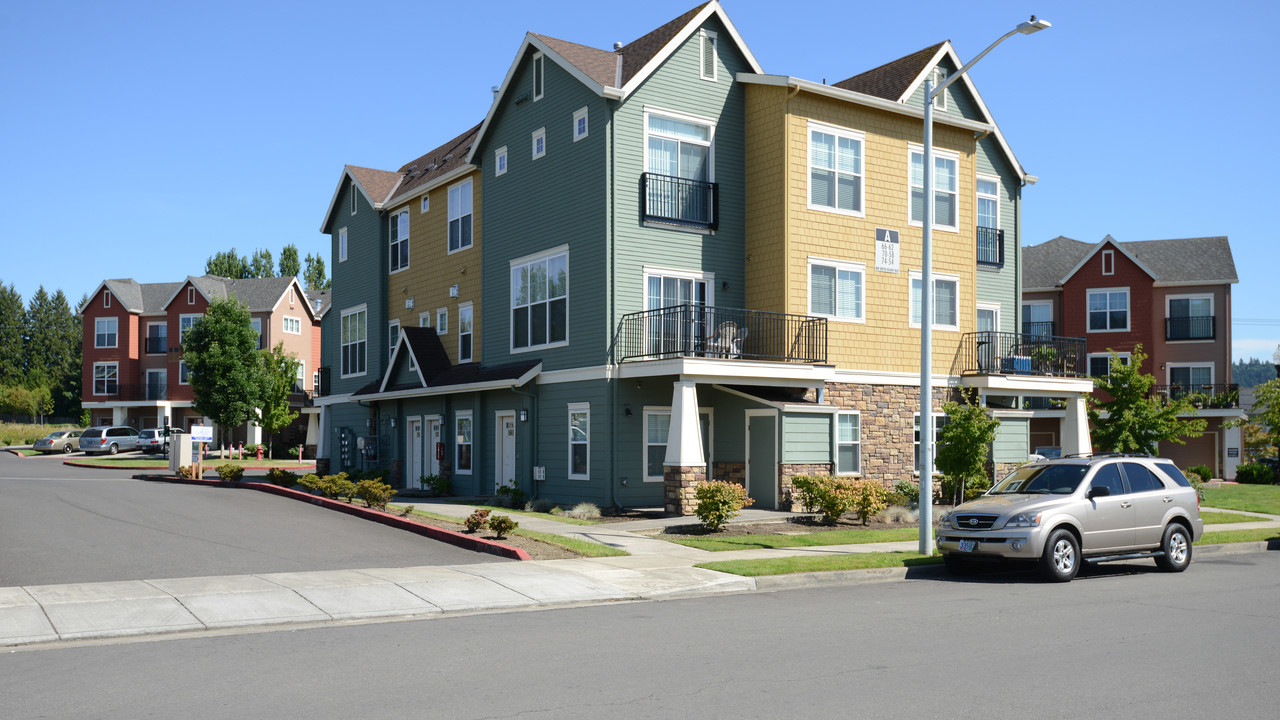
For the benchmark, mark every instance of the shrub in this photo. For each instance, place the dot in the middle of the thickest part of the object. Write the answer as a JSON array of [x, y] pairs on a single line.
[[718, 501], [230, 473], [897, 515], [949, 487], [869, 498], [832, 496], [501, 525], [310, 482], [1202, 471], [282, 477], [584, 511], [330, 486], [436, 484], [510, 497], [541, 505], [904, 493], [251, 449], [1255, 474], [186, 471], [374, 493], [476, 520]]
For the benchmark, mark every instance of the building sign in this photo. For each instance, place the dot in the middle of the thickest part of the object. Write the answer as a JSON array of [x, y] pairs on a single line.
[[886, 250], [1233, 452], [202, 433]]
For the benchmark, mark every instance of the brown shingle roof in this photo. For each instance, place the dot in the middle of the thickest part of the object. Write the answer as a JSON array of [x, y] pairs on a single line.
[[640, 51], [437, 162], [378, 183], [891, 80], [599, 65]]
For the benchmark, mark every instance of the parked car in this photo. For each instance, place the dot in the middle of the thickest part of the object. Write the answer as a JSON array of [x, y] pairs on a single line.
[[153, 441], [1065, 511], [109, 439], [63, 441]]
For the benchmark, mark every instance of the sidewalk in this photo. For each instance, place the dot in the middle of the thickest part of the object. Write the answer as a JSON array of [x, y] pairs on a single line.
[[654, 570]]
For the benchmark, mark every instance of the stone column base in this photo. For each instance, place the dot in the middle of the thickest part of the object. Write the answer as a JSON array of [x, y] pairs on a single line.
[[680, 487]]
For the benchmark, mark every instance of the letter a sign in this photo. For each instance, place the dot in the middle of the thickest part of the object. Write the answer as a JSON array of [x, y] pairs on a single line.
[[886, 250]]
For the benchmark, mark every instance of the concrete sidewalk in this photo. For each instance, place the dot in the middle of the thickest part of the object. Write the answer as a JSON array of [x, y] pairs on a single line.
[[654, 570]]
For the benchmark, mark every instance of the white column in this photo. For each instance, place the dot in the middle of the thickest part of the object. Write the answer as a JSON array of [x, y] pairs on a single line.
[[684, 440], [118, 415], [162, 413], [1075, 428], [1231, 439], [322, 437]]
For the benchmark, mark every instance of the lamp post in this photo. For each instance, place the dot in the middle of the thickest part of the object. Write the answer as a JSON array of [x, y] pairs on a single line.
[[926, 289]]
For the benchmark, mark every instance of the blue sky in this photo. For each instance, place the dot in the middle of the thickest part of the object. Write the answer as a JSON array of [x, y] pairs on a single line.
[[138, 138]]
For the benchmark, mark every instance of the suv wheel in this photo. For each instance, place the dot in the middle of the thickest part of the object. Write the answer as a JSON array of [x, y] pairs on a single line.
[[1061, 557], [1177, 549]]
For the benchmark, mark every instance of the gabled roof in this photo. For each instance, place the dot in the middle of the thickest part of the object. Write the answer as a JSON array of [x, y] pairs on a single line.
[[376, 186], [1179, 261], [320, 301], [258, 294], [439, 163], [615, 74], [437, 377]]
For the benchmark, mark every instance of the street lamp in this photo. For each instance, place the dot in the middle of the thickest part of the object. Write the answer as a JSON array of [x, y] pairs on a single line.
[[926, 289]]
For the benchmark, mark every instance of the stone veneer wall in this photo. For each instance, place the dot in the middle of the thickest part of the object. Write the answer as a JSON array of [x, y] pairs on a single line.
[[680, 487], [734, 472], [887, 427], [787, 497]]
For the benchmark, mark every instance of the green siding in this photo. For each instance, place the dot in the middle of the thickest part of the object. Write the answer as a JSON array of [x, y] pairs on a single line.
[[1012, 440], [360, 279], [552, 438], [806, 438], [1001, 285]]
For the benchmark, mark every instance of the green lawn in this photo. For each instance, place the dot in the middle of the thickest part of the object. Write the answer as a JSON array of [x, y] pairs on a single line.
[[25, 452], [854, 561], [1249, 498], [1220, 518], [813, 539], [1223, 537]]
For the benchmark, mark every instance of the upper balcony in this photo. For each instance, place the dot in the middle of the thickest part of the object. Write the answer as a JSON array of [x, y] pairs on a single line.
[[103, 390], [1000, 353], [1195, 327], [990, 247], [155, 345], [679, 201], [1212, 395], [1040, 329], [701, 331]]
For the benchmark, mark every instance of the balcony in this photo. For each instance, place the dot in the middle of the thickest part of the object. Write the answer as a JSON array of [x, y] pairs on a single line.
[[105, 390], [1195, 327], [320, 383], [1001, 353], [156, 345], [701, 331], [679, 201], [1040, 329], [990, 247], [1214, 395]]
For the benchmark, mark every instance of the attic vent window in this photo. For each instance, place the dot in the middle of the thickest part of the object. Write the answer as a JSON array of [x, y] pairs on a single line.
[[539, 85], [709, 59], [937, 77]]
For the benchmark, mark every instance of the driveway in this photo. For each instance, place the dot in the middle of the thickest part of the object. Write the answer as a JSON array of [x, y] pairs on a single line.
[[74, 525]]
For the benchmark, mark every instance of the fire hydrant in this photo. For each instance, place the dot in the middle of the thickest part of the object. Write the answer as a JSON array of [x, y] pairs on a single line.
[[259, 452]]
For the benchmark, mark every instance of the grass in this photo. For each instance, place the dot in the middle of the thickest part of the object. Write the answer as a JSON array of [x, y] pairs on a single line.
[[826, 563], [1223, 537], [829, 537], [25, 452], [1222, 518], [582, 547], [1249, 498], [27, 433]]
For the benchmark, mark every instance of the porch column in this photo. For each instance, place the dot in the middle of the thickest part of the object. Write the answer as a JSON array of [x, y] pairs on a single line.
[[322, 442], [162, 415], [684, 467], [119, 415], [1075, 428], [1231, 440]]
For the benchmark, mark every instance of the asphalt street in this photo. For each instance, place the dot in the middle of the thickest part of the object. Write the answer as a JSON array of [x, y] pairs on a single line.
[[73, 525]]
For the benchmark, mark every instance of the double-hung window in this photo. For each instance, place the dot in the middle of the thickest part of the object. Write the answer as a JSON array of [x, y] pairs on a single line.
[[105, 378], [462, 442], [1108, 310], [105, 332], [500, 161], [579, 441], [835, 289], [540, 301], [848, 443], [539, 138], [835, 169], [398, 230], [945, 301], [460, 216], [464, 333], [185, 322], [580, 124], [354, 341], [657, 432], [1100, 364], [946, 174], [679, 162]]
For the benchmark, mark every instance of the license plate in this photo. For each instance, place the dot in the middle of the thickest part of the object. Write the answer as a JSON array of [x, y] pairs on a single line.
[[968, 545]]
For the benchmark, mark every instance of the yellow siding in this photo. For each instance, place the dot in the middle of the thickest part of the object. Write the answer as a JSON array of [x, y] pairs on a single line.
[[766, 216]]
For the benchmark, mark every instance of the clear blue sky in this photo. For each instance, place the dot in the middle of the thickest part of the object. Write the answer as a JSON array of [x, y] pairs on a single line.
[[138, 138]]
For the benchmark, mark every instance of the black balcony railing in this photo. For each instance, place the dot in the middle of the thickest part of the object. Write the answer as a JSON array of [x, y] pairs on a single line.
[[157, 345], [686, 331], [1214, 395], [321, 388], [990, 246], [1001, 353], [1040, 329], [680, 201], [1196, 327], [104, 390]]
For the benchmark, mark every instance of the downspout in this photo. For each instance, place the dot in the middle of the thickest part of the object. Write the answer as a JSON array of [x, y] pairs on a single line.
[[611, 277]]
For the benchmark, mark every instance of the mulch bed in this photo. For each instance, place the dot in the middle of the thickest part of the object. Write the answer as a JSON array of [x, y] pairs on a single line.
[[537, 550]]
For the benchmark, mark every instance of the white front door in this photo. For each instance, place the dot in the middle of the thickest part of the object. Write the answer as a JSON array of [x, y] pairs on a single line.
[[505, 461], [413, 459], [433, 437]]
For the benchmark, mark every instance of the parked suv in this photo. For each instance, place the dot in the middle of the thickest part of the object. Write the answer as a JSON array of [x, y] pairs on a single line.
[[109, 439], [1065, 511], [153, 441]]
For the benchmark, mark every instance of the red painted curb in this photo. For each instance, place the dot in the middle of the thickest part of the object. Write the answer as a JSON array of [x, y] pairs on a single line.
[[449, 536]]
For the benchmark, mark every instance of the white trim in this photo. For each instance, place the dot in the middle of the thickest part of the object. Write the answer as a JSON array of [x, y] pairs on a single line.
[[938, 154], [914, 275], [449, 217], [147, 336], [424, 204], [1089, 357], [534, 137], [424, 315], [498, 440], [705, 36], [466, 310], [1108, 257], [511, 307], [442, 321], [342, 315], [835, 442], [838, 266], [978, 195], [182, 365], [105, 387], [573, 408], [342, 244], [284, 324], [850, 134], [708, 441], [1023, 309], [1213, 372], [710, 144], [191, 294], [439, 390], [437, 182], [581, 114], [938, 76], [1168, 303], [995, 307], [500, 161], [711, 8], [458, 416], [401, 226], [393, 334], [538, 73], [1128, 312], [106, 299], [182, 335], [1108, 240], [114, 333]]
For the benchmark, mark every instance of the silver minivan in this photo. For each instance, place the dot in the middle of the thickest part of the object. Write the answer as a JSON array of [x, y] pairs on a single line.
[[109, 439]]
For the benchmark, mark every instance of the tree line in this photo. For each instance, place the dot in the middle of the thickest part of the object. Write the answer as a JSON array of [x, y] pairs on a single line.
[[40, 354], [1252, 372], [230, 264]]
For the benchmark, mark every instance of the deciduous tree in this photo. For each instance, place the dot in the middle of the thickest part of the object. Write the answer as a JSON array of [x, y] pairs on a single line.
[[313, 276], [1133, 420], [227, 264], [963, 446], [224, 367], [279, 374], [261, 264]]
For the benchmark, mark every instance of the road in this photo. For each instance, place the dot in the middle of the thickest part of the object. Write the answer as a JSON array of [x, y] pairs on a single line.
[[1120, 642], [73, 525]]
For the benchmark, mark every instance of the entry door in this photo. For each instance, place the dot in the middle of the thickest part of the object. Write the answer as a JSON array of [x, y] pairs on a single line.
[[506, 460], [762, 459], [433, 434], [413, 473], [988, 325]]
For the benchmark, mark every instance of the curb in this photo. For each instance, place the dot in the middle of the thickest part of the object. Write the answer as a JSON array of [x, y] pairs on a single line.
[[799, 581], [458, 539], [94, 466]]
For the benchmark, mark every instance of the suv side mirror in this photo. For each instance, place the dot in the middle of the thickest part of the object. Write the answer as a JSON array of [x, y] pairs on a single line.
[[1099, 491]]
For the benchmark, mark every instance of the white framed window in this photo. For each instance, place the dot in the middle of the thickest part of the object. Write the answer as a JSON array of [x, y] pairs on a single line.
[[500, 161], [988, 192], [342, 245], [664, 288], [1189, 317], [106, 332], [460, 216], [292, 325], [191, 295], [424, 319], [539, 79], [157, 384], [106, 378], [539, 138], [442, 321], [1191, 377], [157, 338], [353, 340], [1037, 318], [579, 441], [540, 300], [106, 298], [398, 237], [848, 442], [1100, 363], [939, 420], [836, 289], [580, 124], [1108, 309], [465, 348], [300, 379], [1108, 262], [708, 57], [184, 375], [946, 290], [353, 193], [185, 322], [657, 430], [937, 76], [835, 169], [462, 445], [425, 205], [315, 382], [679, 145], [946, 179], [393, 337]]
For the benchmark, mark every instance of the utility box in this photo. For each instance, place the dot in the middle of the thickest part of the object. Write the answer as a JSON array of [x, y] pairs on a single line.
[[181, 451]]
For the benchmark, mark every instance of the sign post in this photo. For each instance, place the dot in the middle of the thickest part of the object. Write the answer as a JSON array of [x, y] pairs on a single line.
[[201, 434]]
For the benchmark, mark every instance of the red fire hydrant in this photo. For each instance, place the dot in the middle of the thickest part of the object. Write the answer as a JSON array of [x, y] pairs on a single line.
[[259, 452]]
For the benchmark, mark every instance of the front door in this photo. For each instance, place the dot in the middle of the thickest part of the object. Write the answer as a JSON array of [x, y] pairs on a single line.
[[413, 459], [988, 325], [506, 450], [433, 433], [762, 458]]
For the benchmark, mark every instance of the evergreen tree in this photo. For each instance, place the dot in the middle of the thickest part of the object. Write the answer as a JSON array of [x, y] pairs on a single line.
[[225, 370], [1136, 421], [313, 277], [261, 265], [12, 331], [280, 374], [289, 264], [1252, 372], [227, 264]]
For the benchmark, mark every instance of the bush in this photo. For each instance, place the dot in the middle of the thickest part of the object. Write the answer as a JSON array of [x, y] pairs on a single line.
[[186, 471], [1255, 474], [501, 525], [282, 477], [905, 493], [584, 511], [374, 493], [436, 484], [310, 482], [476, 520], [718, 501], [832, 496], [949, 487], [330, 486], [541, 505], [230, 473], [869, 498], [251, 449], [1202, 471], [510, 497]]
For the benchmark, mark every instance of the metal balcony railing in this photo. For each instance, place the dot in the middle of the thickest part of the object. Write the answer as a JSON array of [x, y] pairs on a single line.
[[688, 331], [679, 201], [1001, 353], [1196, 327], [320, 383], [156, 345], [1214, 395], [1040, 329], [111, 390], [990, 246]]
